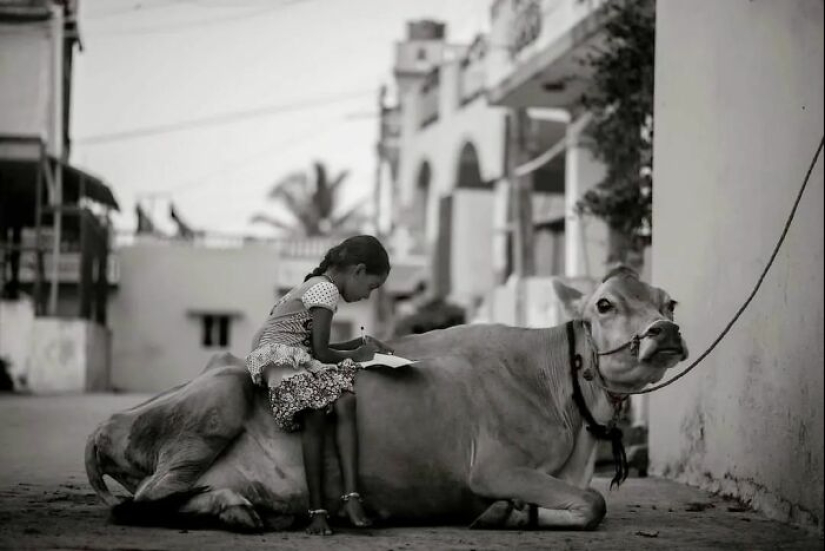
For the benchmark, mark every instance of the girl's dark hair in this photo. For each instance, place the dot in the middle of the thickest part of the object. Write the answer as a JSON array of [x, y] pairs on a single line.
[[361, 249]]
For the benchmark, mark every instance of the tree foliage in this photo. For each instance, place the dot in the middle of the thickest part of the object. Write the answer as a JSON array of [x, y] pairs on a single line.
[[313, 202], [620, 99]]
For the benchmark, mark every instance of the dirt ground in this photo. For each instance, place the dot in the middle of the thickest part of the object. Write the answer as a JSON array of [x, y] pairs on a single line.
[[46, 503]]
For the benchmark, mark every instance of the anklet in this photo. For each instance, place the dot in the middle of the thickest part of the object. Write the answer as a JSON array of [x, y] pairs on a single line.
[[351, 495], [313, 512]]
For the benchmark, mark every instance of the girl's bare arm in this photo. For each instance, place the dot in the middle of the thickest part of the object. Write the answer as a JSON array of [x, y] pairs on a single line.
[[322, 351], [347, 345]]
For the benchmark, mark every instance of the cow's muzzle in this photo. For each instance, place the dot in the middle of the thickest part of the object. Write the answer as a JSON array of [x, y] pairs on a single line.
[[662, 340]]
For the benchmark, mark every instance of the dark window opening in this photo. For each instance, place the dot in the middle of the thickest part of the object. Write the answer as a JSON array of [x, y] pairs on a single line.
[[215, 330]]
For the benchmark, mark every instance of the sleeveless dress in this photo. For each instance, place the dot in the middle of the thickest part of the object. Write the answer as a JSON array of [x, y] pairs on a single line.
[[286, 342]]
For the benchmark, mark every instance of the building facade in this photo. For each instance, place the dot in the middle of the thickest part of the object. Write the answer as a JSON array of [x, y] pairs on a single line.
[[453, 199], [55, 260]]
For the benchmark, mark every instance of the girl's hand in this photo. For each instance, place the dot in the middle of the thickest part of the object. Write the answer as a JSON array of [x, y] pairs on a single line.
[[364, 352], [315, 367], [381, 348]]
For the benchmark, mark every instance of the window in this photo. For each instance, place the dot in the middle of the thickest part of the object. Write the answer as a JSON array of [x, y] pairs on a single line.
[[215, 330]]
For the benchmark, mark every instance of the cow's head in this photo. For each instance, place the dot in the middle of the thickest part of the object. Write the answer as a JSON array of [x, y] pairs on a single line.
[[631, 327]]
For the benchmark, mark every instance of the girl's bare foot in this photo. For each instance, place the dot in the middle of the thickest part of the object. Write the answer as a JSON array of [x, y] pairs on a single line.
[[355, 512], [318, 525]]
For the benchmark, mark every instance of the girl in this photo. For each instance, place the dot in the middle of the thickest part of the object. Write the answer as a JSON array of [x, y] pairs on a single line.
[[296, 335]]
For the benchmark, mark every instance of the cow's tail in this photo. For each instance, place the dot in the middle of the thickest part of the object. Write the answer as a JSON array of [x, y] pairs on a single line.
[[94, 474]]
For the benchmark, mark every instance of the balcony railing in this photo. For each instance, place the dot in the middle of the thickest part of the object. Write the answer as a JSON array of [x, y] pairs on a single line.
[[524, 23], [472, 72], [14, 11], [428, 98], [390, 137], [68, 268], [526, 26]]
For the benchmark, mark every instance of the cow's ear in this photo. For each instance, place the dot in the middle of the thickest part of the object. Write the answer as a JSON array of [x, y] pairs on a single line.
[[570, 298]]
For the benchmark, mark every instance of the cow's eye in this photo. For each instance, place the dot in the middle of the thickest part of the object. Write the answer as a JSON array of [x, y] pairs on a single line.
[[671, 306], [604, 306]]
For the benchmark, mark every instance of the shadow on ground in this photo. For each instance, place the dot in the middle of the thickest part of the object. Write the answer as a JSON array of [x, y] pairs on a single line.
[[46, 503]]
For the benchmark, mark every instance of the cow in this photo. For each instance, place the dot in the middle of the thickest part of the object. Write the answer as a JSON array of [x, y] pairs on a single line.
[[495, 426]]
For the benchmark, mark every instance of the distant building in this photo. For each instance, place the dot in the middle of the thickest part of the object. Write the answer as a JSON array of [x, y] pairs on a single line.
[[538, 65], [179, 301], [463, 129], [55, 263]]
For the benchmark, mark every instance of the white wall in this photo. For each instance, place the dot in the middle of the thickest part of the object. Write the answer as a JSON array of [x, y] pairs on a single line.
[[738, 114], [156, 339], [68, 355], [472, 245], [53, 355], [16, 334]]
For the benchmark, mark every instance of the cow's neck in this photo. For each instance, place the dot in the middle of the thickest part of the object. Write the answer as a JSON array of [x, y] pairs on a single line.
[[558, 377]]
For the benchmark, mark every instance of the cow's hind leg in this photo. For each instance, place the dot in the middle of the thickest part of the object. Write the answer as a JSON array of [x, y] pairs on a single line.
[[231, 509], [191, 432], [195, 508], [559, 505]]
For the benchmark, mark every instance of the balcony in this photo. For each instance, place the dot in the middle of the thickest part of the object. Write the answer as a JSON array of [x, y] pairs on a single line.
[[537, 49], [472, 72], [429, 97], [68, 268], [25, 11]]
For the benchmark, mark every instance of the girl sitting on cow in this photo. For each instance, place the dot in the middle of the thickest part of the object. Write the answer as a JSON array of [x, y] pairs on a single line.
[[321, 377]]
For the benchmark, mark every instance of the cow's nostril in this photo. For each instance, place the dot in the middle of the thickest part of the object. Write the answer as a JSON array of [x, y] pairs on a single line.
[[654, 331]]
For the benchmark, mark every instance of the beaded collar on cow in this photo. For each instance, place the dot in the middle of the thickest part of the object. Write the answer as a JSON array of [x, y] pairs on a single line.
[[610, 431]]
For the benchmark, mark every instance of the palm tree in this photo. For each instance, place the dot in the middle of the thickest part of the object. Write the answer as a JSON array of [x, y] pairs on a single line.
[[313, 202]]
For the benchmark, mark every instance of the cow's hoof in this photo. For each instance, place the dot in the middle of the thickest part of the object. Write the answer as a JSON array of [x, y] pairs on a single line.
[[596, 509], [241, 518], [495, 516]]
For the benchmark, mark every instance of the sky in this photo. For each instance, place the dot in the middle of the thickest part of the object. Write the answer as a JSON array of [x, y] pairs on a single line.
[[208, 103]]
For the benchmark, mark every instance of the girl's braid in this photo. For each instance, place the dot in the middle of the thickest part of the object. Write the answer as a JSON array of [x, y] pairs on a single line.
[[324, 265]]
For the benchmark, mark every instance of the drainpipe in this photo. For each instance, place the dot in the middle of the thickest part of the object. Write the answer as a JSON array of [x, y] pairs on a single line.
[[57, 210], [56, 106]]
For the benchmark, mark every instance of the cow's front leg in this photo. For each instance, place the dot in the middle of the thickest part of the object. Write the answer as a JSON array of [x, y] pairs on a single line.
[[559, 504]]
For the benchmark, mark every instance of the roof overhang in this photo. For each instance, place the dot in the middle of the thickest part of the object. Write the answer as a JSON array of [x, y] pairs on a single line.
[[555, 76], [22, 161]]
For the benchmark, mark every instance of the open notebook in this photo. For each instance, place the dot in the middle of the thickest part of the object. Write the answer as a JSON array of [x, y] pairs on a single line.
[[387, 360]]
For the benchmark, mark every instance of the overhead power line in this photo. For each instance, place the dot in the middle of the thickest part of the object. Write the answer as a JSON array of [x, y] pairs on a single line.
[[271, 150], [224, 118], [135, 8], [188, 25]]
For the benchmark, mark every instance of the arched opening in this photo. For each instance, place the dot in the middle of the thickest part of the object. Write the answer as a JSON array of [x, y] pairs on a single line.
[[469, 169], [421, 200]]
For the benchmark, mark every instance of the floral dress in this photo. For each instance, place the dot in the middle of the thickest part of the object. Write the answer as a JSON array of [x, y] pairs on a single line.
[[285, 341]]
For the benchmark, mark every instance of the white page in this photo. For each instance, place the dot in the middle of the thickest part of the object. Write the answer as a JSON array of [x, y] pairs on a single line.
[[387, 360]]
